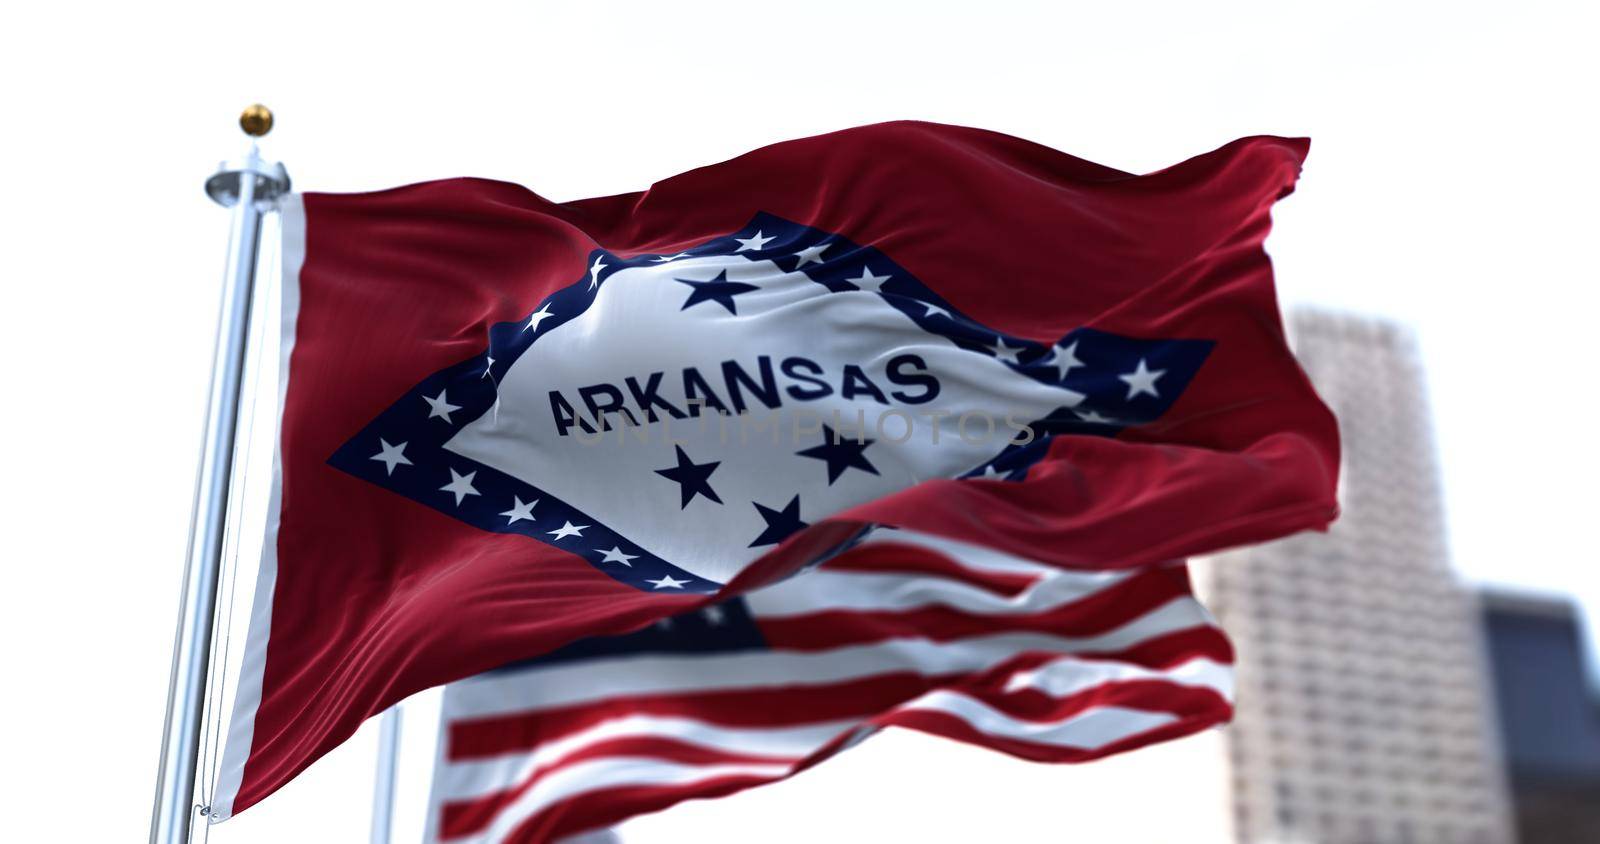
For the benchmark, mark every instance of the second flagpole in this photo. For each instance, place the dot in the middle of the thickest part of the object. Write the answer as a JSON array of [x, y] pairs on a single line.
[[388, 768]]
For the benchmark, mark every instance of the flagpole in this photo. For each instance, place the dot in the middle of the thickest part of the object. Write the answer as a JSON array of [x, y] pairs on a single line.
[[388, 765], [250, 187]]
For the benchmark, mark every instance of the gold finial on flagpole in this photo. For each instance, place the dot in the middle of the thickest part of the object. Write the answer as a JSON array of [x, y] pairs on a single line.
[[256, 120]]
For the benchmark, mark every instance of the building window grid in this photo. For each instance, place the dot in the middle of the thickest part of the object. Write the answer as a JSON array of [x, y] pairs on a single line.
[[1358, 714]]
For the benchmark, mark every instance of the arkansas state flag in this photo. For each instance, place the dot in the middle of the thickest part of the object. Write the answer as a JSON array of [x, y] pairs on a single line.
[[510, 424]]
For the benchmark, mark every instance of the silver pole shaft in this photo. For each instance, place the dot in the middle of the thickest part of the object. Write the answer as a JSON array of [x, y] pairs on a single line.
[[175, 804], [388, 765]]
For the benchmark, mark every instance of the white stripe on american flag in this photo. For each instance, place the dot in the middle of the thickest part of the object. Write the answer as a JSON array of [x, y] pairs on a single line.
[[1070, 675], [964, 554], [606, 773], [849, 590], [1067, 697], [477, 777], [1087, 730]]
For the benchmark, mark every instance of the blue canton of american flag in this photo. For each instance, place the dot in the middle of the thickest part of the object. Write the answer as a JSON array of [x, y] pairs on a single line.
[[704, 419]]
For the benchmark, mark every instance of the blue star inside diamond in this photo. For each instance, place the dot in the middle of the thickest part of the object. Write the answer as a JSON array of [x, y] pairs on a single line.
[[780, 523], [692, 478], [841, 453], [719, 290]]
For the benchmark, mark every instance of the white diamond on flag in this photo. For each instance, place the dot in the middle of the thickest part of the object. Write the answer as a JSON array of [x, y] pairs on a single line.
[[774, 344]]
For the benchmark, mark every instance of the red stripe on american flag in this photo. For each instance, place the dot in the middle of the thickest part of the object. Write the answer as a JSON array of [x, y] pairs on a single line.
[[889, 557], [600, 808], [801, 704], [1149, 695], [468, 816], [952, 727], [1157, 653], [1173, 648]]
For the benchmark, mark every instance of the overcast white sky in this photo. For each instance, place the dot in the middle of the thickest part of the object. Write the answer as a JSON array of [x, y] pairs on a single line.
[[1451, 185]]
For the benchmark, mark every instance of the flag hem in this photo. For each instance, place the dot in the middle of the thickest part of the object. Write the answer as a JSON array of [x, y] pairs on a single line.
[[241, 726]]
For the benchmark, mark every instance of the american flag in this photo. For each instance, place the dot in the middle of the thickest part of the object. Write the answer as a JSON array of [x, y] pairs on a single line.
[[905, 630]]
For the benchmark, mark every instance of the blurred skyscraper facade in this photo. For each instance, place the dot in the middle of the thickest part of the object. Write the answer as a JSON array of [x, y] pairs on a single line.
[[1364, 714], [1549, 717]]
